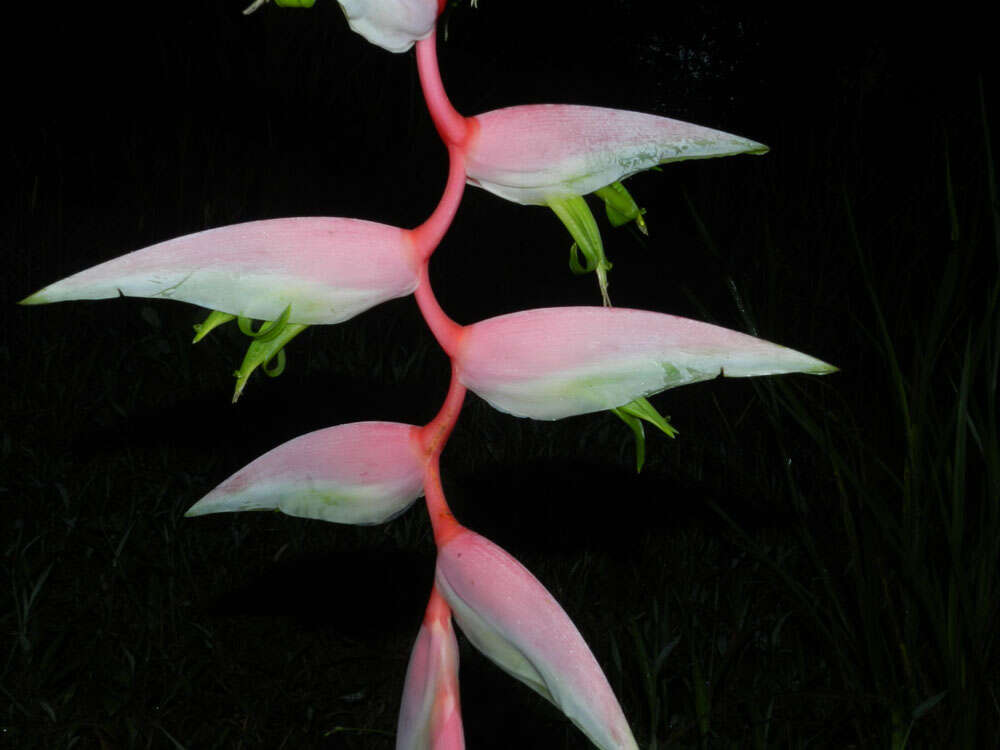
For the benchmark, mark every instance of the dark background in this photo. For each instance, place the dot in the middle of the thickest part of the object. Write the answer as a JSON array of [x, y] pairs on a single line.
[[127, 124]]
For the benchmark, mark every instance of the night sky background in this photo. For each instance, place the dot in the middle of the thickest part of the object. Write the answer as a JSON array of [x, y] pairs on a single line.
[[128, 124]]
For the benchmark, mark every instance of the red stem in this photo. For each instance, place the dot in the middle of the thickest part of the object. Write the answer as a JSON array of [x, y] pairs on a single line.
[[428, 235], [454, 131], [433, 437], [447, 332], [451, 126], [435, 433], [437, 608]]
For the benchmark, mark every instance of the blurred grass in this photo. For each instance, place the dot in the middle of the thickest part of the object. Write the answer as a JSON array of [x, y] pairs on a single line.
[[811, 564]]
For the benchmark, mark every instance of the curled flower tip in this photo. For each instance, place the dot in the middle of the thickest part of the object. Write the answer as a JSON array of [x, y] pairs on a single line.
[[575, 214], [631, 414], [269, 330], [215, 319], [360, 473], [620, 207], [268, 344]]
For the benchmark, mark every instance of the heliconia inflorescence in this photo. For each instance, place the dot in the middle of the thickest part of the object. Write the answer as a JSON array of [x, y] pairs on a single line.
[[544, 363]]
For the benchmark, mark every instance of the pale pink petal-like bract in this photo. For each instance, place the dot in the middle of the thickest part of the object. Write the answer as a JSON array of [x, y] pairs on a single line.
[[393, 25], [510, 617], [532, 153], [556, 362], [430, 716], [358, 473], [326, 269]]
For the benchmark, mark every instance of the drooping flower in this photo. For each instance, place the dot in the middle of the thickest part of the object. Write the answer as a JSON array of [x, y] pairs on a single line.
[[358, 473], [511, 618], [430, 716], [554, 154], [291, 272]]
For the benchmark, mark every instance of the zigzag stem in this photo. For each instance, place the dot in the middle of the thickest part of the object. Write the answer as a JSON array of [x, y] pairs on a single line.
[[455, 130], [451, 126], [428, 235], [433, 437], [447, 332]]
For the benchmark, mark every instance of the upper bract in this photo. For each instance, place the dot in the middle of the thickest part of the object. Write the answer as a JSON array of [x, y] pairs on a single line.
[[531, 153]]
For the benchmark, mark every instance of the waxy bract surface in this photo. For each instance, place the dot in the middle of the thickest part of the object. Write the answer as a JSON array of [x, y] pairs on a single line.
[[358, 473], [529, 154], [559, 361], [512, 619], [327, 269]]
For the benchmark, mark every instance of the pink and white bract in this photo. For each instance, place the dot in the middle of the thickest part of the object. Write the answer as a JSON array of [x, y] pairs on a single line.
[[430, 717], [531, 154], [510, 617], [358, 473], [393, 25], [557, 362], [327, 269]]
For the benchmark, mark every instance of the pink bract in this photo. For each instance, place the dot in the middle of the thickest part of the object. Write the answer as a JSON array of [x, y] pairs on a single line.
[[327, 269], [509, 616], [430, 716], [358, 473], [529, 154], [556, 362]]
